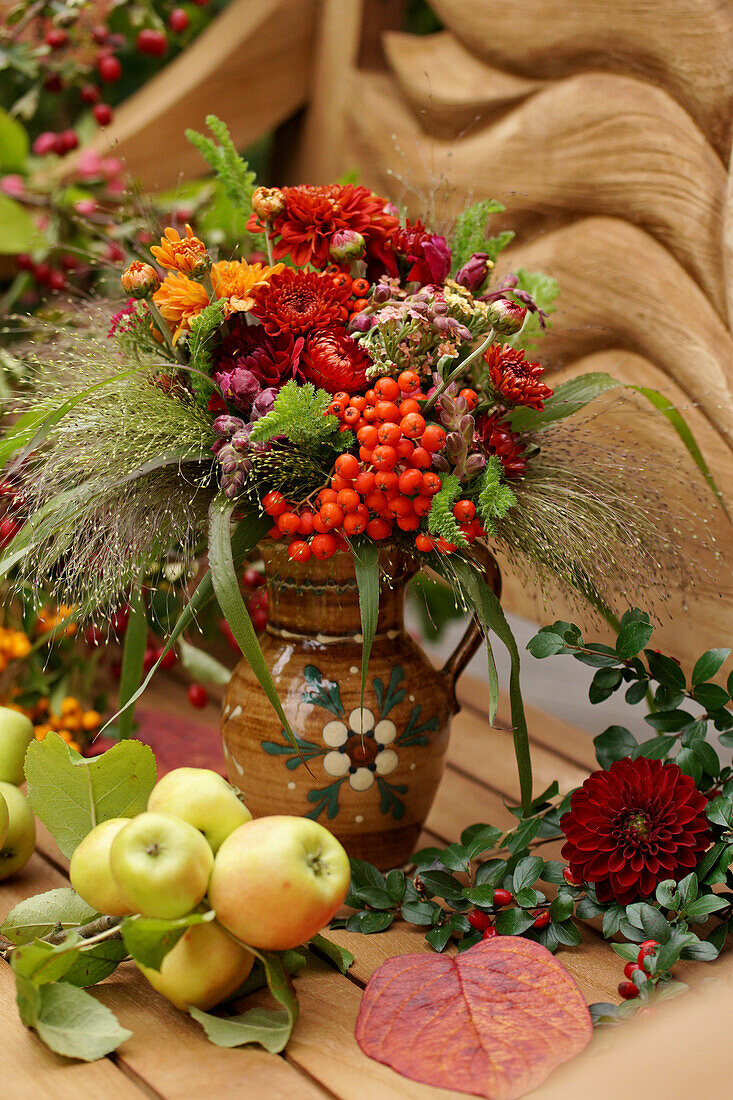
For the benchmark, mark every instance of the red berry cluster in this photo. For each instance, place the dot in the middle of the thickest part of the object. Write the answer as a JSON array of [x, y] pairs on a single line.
[[484, 922], [629, 989], [45, 274]]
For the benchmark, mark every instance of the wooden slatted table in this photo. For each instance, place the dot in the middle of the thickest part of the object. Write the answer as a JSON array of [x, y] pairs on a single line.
[[168, 1055]]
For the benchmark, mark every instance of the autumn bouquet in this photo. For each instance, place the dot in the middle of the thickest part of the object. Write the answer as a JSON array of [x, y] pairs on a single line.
[[355, 383]]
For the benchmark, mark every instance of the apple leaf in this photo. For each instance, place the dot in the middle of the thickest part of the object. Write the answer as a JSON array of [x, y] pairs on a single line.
[[37, 916], [271, 1028], [42, 963], [13, 144], [149, 939], [71, 795], [95, 963], [72, 1023], [18, 231], [515, 1014], [331, 952]]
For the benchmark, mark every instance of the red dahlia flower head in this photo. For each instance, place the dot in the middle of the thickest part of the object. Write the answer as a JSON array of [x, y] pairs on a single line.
[[473, 274], [506, 317], [312, 215], [300, 302], [633, 826], [335, 362], [517, 381]]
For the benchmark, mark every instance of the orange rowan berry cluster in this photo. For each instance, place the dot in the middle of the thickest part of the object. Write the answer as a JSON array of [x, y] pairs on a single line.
[[14, 645], [390, 484], [359, 290]]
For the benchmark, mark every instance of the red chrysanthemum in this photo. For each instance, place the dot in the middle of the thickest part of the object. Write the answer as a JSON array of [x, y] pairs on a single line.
[[497, 438], [299, 302], [312, 215], [633, 826], [516, 380], [333, 362]]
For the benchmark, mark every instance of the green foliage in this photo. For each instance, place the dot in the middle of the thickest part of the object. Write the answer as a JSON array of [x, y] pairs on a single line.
[[18, 231], [544, 289], [495, 497], [441, 520], [300, 414], [680, 734], [71, 795], [469, 234], [149, 939], [13, 144], [203, 329], [231, 170], [37, 916]]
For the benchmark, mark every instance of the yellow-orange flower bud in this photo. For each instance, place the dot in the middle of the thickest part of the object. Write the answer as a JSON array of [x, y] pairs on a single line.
[[140, 280], [268, 202]]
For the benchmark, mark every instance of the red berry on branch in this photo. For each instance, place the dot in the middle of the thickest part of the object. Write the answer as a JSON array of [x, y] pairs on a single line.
[[99, 34], [90, 93], [542, 918], [478, 919], [502, 897], [169, 659], [627, 990], [647, 948], [45, 143], [198, 696], [630, 969], [53, 84], [178, 20], [109, 68], [102, 113], [570, 878], [9, 528], [56, 38], [57, 282], [151, 42], [66, 142], [489, 933]]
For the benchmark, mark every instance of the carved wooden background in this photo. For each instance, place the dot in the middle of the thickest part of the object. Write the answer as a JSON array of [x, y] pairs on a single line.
[[605, 128]]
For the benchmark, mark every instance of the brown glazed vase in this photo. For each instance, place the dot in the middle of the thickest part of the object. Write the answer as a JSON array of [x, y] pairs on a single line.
[[369, 775]]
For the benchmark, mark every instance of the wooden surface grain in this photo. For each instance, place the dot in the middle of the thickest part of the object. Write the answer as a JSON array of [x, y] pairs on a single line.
[[168, 1055]]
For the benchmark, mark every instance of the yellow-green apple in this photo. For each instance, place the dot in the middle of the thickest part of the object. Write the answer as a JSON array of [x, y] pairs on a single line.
[[161, 865], [16, 734], [204, 968], [90, 871], [20, 839], [278, 880], [204, 799], [4, 820]]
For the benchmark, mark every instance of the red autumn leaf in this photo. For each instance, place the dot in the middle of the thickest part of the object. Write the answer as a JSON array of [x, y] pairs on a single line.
[[493, 1021]]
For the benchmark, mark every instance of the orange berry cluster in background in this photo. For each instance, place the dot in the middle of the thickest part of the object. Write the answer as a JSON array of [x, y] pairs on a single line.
[[390, 484], [14, 645], [49, 618], [72, 724]]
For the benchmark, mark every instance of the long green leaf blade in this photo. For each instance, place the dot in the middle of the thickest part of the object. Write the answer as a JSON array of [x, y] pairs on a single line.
[[366, 566], [133, 656], [226, 589]]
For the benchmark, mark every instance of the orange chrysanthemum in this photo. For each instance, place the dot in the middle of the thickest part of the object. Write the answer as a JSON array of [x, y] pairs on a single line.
[[514, 378], [186, 255], [235, 280], [179, 300]]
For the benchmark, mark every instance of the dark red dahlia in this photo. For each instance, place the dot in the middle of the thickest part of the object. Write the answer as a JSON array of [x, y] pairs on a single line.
[[633, 826], [497, 438], [299, 302], [428, 254], [303, 230], [517, 381], [333, 362], [249, 361]]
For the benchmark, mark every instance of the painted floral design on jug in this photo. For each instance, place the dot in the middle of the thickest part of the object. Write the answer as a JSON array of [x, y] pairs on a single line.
[[360, 748]]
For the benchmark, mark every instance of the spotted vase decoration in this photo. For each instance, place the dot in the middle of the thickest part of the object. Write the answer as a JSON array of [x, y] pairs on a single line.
[[368, 771]]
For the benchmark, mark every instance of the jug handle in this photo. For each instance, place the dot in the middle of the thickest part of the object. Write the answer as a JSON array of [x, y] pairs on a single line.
[[473, 636]]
